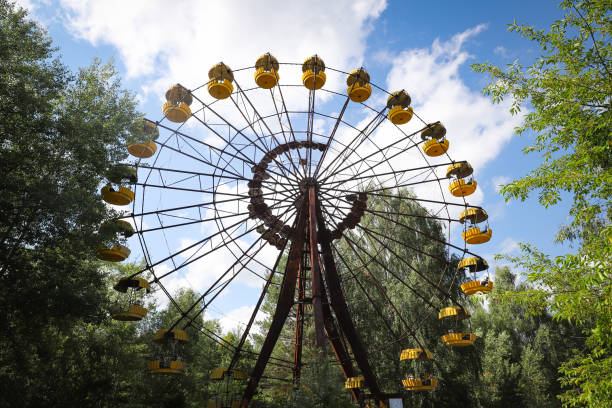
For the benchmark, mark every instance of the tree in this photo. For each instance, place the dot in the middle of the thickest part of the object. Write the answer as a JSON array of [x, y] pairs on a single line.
[[522, 351], [59, 133], [569, 89]]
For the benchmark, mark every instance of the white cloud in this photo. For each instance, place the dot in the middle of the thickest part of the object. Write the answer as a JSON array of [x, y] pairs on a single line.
[[498, 181], [171, 42], [509, 246], [501, 51], [26, 4], [476, 128]]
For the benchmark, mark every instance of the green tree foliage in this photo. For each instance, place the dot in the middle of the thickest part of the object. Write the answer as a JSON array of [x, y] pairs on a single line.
[[522, 351], [569, 89], [59, 132]]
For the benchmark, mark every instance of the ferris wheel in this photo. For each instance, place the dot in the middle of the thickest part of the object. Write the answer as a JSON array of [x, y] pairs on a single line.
[[258, 176]]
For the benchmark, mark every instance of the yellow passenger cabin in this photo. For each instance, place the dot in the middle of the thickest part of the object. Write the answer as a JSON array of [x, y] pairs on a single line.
[[130, 303], [266, 71], [473, 265], [400, 111], [474, 234], [434, 137], [110, 231], [313, 73], [220, 81], [358, 81], [168, 358], [177, 107], [143, 134]]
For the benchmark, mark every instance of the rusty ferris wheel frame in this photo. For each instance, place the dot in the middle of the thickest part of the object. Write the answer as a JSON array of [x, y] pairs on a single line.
[[301, 190]]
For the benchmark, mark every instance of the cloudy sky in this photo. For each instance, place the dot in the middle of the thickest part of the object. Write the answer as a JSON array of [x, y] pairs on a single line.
[[423, 47]]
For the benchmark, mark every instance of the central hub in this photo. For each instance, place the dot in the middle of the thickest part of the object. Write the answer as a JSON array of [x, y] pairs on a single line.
[[308, 182]]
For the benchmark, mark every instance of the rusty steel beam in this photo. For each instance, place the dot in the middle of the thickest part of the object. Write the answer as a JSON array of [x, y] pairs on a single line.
[[335, 339], [283, 307], [299, 326], [338, 303], [315, 270]]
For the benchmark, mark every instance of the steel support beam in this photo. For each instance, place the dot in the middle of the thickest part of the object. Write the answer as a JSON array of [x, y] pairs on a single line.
[[338, 303], [315, 270], [285, 302], [341, 353], [310, 233], [299, 326]]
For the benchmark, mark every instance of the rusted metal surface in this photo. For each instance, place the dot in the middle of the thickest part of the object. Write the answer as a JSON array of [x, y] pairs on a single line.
[[338, 303], [285, 302], [341, 353], [310, 233], [299, 326], [315, 270]]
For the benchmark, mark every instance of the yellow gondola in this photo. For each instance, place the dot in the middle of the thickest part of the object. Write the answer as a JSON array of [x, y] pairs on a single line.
[[477, 236], [131, 309], [169, 356], [220, 81], [420, 384], [474, 215], [462, 188], [463, 339], [313, 73], [173, 367], [475, 286], [117, 227], [122, 174], [178, 100], [400, 111], [474, 265], [454, 311], [358, 81], [421, 359], [266, 71], [120, 196], [454, 338], [434, 137], [143, 136], [459, 170], [473, 234], [354, 382], [416, 354], [221, 372], [227, 388], [116, 253]]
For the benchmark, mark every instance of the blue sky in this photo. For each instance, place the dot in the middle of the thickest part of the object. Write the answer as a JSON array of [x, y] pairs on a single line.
[[425, 47]]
